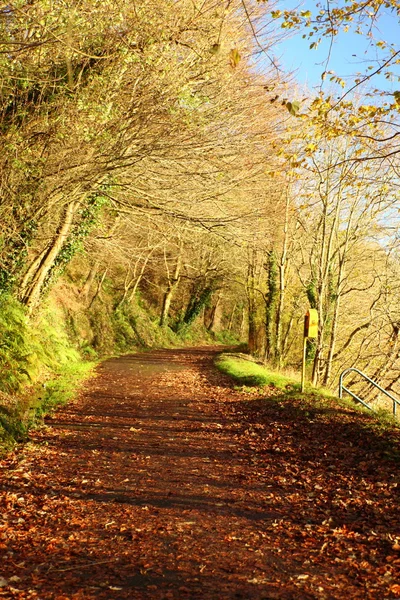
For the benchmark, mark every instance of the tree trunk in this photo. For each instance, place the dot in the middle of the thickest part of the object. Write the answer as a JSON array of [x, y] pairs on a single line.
[[213, 316], [242, 324], [270, 307], [279, 350], [32, 296], [31, 272], [252, 331], [141, 273], [334, 329], [166, 305], [230, 322], [99, 288], [171, 287], [89, 279]]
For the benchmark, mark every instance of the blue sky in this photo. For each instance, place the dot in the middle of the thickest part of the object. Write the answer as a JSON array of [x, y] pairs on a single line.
[[351, 53]]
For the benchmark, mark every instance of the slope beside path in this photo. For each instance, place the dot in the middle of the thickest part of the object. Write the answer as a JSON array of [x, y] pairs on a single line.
[[163, 482]]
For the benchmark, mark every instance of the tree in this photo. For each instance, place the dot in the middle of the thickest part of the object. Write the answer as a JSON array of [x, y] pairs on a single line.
[[343, 206], [149, 108]]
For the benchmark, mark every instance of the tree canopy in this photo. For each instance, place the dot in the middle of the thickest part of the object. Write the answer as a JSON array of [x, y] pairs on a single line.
[[158, 151]]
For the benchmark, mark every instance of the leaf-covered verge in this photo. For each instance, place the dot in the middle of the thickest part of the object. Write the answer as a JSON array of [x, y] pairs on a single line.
[[246, 372]]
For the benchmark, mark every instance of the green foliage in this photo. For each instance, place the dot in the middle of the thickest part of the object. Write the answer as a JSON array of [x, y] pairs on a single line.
[[311, 348], [12, 429], [60, 390], [127, 329], [135, 328], [311, 292], [32, 355], [102, 330], [332, 291], [14, 250], [272, 277], [293, 107], [16, 345], [199, 299], [226, 337]]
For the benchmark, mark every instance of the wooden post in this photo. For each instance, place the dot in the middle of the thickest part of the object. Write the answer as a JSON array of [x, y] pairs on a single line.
[[303, 367], [310, 331]]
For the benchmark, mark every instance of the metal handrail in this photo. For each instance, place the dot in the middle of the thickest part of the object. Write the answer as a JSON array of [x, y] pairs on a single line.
[[342, 387]]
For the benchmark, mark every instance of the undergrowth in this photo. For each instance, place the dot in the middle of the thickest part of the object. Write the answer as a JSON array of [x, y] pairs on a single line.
[[61, 390], [39, 367]]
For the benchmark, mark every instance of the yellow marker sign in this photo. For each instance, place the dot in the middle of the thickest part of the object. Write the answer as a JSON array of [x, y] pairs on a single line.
[[310, 331], [311, 324]]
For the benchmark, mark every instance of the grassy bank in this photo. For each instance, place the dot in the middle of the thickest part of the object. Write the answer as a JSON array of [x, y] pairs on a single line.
[[245, 371], [40, 367]]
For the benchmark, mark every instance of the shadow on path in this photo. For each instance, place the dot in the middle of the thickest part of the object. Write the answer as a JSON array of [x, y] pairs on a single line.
[[163, 482]]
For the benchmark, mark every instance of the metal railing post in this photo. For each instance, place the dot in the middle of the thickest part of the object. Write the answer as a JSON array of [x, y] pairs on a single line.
[[374, 383]]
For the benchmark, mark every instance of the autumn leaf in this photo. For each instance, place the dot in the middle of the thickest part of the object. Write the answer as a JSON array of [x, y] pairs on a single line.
[[310, 147], [293, 107], [234, 57], [395, 589]]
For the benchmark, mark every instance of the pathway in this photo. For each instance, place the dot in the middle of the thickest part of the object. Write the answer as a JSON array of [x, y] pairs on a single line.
[[163, 482]]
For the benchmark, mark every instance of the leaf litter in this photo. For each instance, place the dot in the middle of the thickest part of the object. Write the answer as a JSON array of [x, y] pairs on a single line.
[[175, 485]]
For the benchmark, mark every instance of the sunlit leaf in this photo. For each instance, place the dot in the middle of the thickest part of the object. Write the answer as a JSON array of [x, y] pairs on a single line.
[[234, 57], [293, 107]]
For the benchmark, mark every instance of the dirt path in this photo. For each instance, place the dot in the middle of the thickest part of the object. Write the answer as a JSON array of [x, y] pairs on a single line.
[[161, 482]]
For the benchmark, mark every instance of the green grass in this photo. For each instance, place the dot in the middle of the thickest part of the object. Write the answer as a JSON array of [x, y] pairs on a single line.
[[61, 390], [246, 372], [32, 404]]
